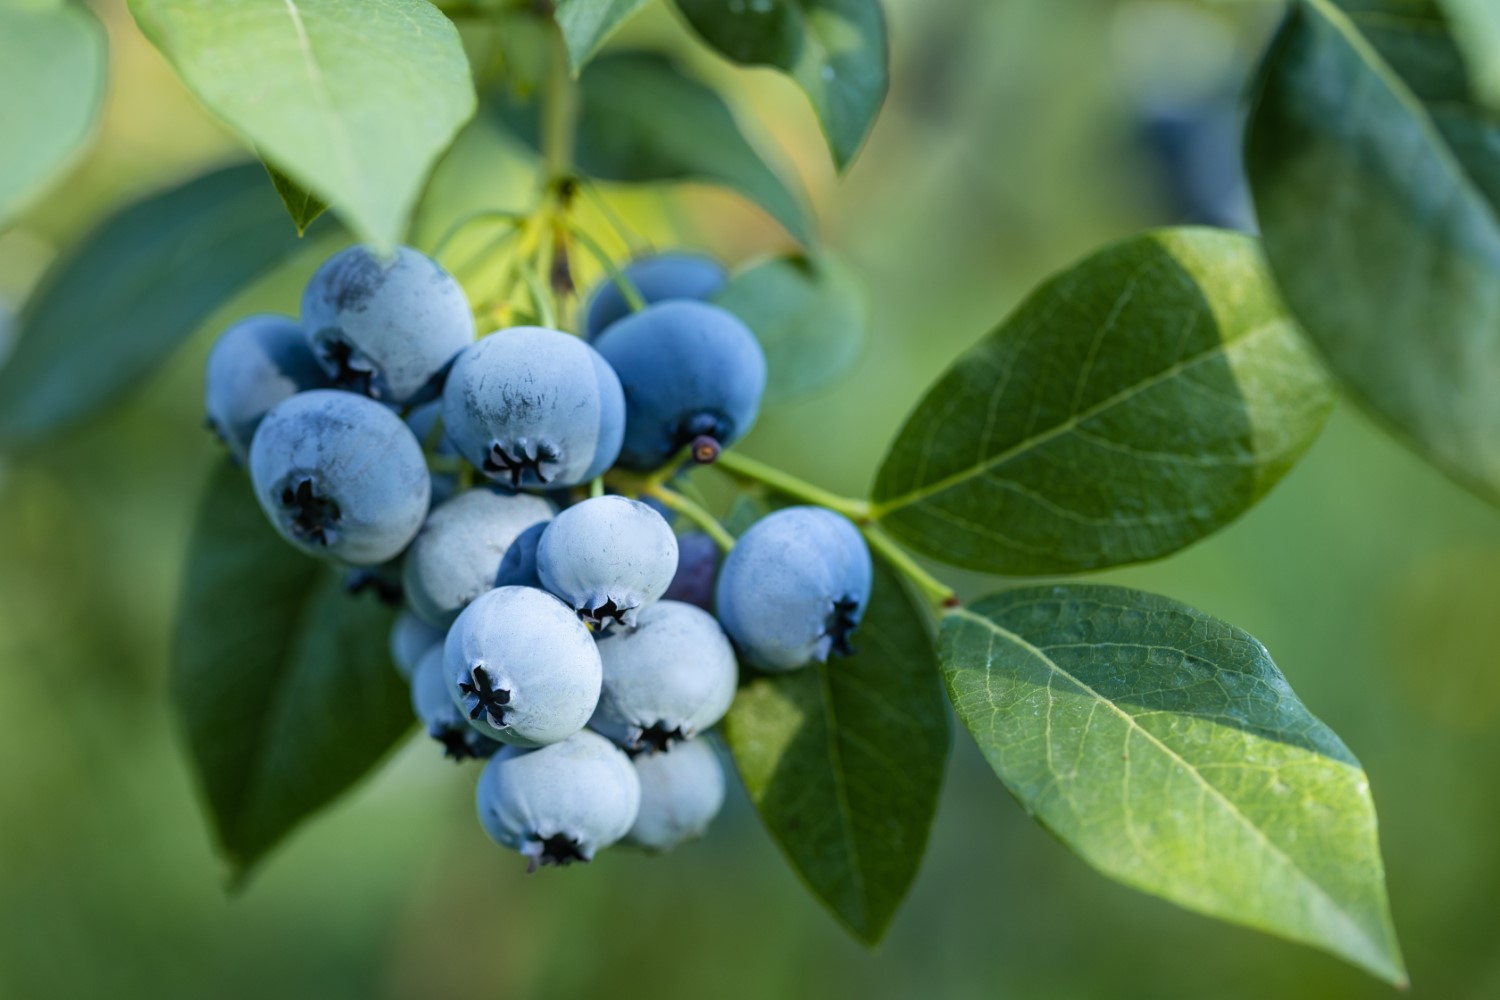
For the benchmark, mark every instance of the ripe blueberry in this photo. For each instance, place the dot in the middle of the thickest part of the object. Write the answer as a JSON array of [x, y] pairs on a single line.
[[340, 475], [459, 551], [441, 718], [385, 328], [411, 638], [658, 279], [562, 803], [534, 407], [255, 364], [425, 422], [607, 557], [522, 667], [793, 589], [689, 370], [666, 680], [681, 793], [697, 561]]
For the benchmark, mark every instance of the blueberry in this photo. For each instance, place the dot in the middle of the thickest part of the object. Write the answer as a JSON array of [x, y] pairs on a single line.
[[607, 557], [666, 680], [659, 279], [697, 560], [411, 638], [459, 551], [385, 328], [425, 422], [689, 370], [562, 803], [793, 589], [340, 475], [255, 364], [522, 667], [681, 793], [441, 718], [535, 407], [518, 568]]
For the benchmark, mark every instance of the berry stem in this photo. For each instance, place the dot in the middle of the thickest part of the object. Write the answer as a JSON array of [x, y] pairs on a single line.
[[559, 111], [935, 590], [693, 512], [744, 468], [624, 284]]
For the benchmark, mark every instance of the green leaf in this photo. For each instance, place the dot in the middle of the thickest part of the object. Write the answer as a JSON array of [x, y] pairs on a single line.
[[643, 121], [1377, 185], [809, 314], [586, 24], [1477, 25], [302, 205], [1132, 405], [1164, 747], [281, 679], [137, 286], [52, 73], [836, 50], [844, 761], [354, 101]]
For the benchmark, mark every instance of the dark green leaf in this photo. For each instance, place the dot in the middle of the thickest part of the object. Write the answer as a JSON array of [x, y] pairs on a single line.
[[586, 24], [1165, 748], [1477, 25], [643, 121], [1131, 406], [1377, 184], [302, 205], [281, 679], [137, 286], [836, 50], [52, 69], [809, 314], [353, 100], [844, 761]]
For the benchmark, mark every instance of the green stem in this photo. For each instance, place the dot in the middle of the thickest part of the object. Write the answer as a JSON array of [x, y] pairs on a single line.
[[741, 467], [932, 588], [560, 111], [483, 215], [693, 512], [624, 284], [596, 488]]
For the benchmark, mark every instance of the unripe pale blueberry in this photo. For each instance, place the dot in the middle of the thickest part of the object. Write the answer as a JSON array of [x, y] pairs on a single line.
[[255, 364], [425, 422], [681, 793], [697, 561], [535, 407], [459, 551], [340, 475], [666, 680], [658, 278], [411, 638], [385, 328], [689, 370], [793, 589], [441, 718], [562, 803], [522, 667], [607, 557]]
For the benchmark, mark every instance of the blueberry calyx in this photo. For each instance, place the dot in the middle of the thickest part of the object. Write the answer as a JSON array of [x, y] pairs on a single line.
[[312, 517], [350, 370], [706, 449], [456, 745], [656, 738], [516, 460], [558, 849], [609, 610], [840, 626], [489, 701], [703, 430]]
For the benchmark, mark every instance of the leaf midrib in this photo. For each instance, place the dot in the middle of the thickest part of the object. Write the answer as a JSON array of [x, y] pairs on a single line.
[[342, 141], [1360, 932], [886, 507]]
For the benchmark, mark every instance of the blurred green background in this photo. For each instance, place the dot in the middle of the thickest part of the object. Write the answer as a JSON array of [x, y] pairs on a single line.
[[1011, 145]]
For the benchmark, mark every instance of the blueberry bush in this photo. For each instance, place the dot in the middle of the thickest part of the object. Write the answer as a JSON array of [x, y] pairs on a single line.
[[487, 478]]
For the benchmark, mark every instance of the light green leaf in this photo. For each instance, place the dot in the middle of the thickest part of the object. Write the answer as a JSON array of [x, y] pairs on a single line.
[[1377, 183], [586, 24], [1132, 405], [140, 284], [1164, 747], [353, 100], [836, 50], [302, 205], [844, 761], [809, 315], [281, 679], [52, 73], [1477, 25]]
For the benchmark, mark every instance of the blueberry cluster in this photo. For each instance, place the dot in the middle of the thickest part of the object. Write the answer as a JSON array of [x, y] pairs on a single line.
[[562, 632]]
